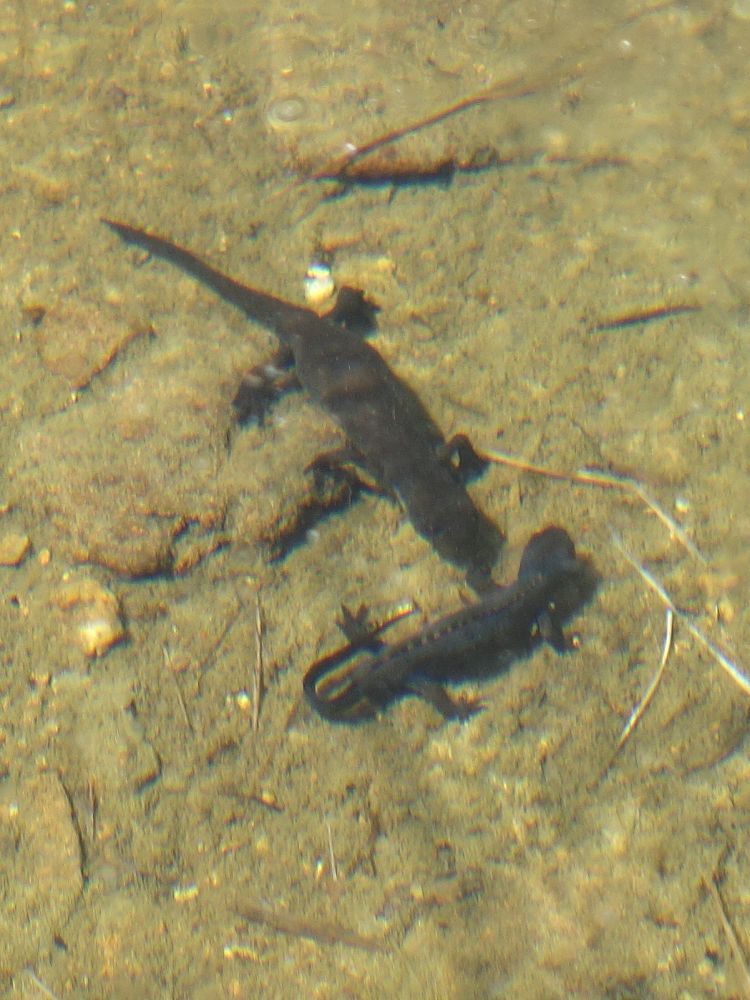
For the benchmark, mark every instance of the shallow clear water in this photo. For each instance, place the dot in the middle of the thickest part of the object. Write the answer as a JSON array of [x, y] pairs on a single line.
[[510, 856]]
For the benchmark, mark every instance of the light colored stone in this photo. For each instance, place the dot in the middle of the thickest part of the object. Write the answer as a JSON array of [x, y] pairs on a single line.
[[92, 614], [14, 547]]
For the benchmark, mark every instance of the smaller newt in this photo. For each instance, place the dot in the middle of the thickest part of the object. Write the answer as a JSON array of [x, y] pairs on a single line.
[[479, 641]]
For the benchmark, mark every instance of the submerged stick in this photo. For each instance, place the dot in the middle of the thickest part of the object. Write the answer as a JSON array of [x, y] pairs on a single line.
[[322, 931], [645, 701], [734, 944], [607, 480], [337, 168], [738, 676], [258, 679], [648, 315]]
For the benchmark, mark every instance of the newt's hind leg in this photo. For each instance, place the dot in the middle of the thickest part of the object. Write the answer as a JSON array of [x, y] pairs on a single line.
[[344, 464], [364, 634], [359, 631], [337, 484], [436, 695]]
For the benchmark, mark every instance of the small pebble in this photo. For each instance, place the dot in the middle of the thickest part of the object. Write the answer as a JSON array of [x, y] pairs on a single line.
[[93, 615], [319, 286]]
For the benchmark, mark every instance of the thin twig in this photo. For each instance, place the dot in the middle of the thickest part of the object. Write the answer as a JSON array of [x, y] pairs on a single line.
[[647, 315], [93, 804], [258, 666], [332, 856], [607, 480], [673, 526], [173, 674], [734, 944], [650, 691], [338, 167], [222, 637], [737, 675], [322, 931], [42, 987]]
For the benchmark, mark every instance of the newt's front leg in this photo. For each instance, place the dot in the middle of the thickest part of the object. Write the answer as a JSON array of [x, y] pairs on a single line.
[[262, 386], [462, 458]]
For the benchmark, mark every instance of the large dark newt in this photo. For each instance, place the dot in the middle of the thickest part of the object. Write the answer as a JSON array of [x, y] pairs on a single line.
[[479, 641], [388, 429]]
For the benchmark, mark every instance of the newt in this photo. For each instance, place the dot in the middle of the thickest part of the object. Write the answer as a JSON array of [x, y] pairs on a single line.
[[479, 641], [389, 432]]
